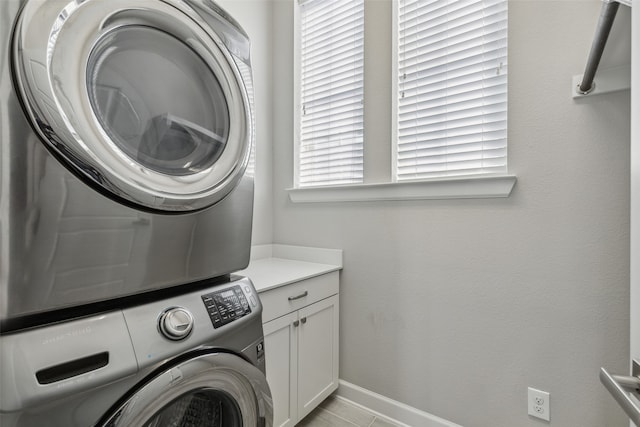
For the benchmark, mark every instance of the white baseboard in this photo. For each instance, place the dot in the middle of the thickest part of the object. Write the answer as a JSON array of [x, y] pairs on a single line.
[[388, 408]]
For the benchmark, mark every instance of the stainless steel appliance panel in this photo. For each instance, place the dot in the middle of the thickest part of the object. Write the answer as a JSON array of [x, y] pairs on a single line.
[[65, 243], [120, 368]]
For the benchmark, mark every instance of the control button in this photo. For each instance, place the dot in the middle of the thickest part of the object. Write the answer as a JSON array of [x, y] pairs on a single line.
[[253, 301], [247, 289], [176, 323]]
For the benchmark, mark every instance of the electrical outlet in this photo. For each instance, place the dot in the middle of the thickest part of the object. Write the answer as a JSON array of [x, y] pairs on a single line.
[[538, 402]]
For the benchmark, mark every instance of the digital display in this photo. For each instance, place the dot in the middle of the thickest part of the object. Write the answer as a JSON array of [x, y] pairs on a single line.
[[227, 294], [226, 306]]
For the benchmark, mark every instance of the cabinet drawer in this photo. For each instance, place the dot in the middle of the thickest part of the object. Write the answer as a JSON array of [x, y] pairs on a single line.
[[285, 299]]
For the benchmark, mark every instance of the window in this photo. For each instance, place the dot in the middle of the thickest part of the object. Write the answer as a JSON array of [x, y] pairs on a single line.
[[452, 88], [330, 135], [442, 100]]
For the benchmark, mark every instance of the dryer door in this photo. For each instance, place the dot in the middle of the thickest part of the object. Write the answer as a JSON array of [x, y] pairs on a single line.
[[142, 99], [207, 390]]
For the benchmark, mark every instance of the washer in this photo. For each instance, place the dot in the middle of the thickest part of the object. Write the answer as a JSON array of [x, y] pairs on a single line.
[[126, 130], [192, 360]]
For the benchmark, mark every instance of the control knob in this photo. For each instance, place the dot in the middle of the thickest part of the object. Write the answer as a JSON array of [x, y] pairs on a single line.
[[176, 323]]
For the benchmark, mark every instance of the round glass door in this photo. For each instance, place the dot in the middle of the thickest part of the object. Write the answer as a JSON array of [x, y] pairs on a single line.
[[144, 101], [203, 408], [208, 390], [158, 100]]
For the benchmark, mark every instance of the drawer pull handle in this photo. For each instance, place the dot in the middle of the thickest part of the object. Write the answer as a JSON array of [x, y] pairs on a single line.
[[296, 323], [302, 295], [303, 320]]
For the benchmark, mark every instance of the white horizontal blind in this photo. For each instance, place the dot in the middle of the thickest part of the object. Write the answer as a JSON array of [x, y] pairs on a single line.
[[247, 77], [452, 88], [331, 78]]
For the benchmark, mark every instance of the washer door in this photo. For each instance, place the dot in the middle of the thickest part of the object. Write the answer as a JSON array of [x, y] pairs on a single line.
[[209, 390], [141, 99]]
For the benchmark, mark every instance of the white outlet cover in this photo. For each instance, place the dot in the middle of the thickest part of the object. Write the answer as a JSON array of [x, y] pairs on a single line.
[[538, 404]]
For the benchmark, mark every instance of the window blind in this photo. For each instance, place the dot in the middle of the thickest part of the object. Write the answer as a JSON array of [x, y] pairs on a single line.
[[247, 77], [452, 88], [331, 89]]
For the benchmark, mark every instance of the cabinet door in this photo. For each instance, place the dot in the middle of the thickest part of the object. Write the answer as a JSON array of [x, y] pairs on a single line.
[[317, 353], [280, 344]]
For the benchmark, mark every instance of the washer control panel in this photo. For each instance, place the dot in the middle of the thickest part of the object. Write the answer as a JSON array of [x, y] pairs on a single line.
[[226, 305]]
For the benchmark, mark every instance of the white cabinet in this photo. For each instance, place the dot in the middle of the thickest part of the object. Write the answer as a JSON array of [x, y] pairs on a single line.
[[282, 368], [301, 343], [317, 354]]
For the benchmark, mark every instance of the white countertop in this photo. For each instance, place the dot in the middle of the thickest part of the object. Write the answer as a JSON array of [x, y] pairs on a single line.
[[273, 266]]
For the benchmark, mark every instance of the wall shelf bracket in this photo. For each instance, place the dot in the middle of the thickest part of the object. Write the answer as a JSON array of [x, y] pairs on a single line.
[[608, 80]]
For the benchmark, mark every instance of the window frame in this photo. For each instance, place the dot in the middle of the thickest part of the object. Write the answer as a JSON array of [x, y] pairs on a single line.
[[378, 188]]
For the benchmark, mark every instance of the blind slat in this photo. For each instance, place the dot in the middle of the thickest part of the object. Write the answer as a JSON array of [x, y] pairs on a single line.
[[485, 144], [339, 36], [339, 48], [337, 78], [486, 42]]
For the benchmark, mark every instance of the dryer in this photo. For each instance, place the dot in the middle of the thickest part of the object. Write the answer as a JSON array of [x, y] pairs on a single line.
[[193, 360], [126, 128]]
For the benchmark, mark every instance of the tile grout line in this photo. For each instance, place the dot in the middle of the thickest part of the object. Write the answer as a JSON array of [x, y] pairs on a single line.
[[343, 419], [363, 410], [381, 417]]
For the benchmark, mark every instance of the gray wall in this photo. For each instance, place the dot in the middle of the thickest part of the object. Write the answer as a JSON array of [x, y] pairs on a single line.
[[456, 306]]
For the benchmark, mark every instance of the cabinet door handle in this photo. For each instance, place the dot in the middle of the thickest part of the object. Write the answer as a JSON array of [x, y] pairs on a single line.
[[303, 320], [296, 323], [302, 295]]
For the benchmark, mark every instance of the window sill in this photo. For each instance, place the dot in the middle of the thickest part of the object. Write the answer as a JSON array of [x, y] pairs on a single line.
[[495, 186]]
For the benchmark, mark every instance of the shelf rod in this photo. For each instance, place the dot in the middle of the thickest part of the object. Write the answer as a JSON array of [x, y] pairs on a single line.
[[605, 22]]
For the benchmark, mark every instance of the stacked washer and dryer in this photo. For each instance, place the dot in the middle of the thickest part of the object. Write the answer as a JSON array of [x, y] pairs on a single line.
[[126, 128]]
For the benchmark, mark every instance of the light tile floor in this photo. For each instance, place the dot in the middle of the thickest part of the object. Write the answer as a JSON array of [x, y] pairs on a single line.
[[336, 412]]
